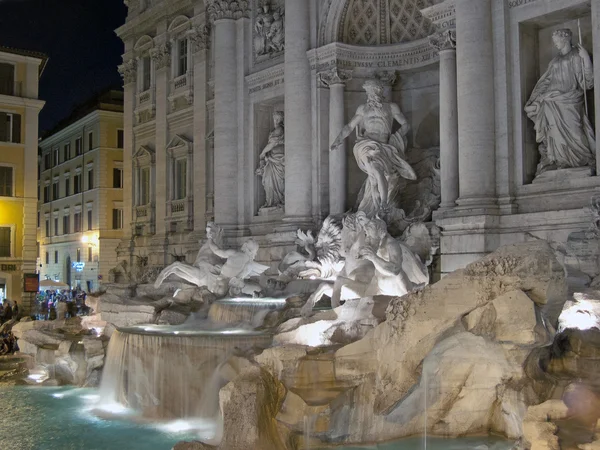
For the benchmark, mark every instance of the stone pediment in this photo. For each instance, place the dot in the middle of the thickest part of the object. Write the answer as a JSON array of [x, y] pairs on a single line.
[[144, 152], [179, 141]]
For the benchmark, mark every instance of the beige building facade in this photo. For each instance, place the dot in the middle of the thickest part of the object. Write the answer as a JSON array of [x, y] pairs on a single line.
[[80, 221], [20, 72]]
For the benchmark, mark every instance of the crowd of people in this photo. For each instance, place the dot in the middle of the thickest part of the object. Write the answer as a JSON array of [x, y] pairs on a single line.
[[8, 311], [61, 304], [49, 305], [8, 343]]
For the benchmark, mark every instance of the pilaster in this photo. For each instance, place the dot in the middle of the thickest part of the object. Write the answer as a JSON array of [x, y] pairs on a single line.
[[336, 80]]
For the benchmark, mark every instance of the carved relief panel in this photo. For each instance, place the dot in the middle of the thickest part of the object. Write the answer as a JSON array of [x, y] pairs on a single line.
[[268, 32]]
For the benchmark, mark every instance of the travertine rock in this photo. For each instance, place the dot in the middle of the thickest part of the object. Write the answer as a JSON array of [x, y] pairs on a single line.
[[249, 405], [538, 428], [63, 349]]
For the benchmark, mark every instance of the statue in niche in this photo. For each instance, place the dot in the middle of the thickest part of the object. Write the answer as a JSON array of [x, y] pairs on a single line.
[[374, 263], [378, 152], [556, 107], [272, 165], [269, 33], [221, 271]]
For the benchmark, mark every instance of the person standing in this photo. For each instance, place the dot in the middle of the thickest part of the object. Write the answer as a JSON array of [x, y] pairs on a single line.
[[8, 312]]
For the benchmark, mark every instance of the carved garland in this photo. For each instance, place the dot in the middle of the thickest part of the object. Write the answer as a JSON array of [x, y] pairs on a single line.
[[227, 9], [444, 40], [161, 55], [128, 71], [335, 76], [199, 37]]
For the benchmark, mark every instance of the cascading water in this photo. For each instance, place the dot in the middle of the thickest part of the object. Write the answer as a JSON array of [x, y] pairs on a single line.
[[243, 310], [161, 372]]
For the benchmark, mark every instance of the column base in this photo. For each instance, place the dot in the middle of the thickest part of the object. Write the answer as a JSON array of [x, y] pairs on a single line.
[[292, 223]]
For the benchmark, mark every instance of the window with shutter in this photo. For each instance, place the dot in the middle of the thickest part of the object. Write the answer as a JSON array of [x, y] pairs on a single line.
[[7, 79], [16, 128], [6, 181], [4, 127], [5, 242]]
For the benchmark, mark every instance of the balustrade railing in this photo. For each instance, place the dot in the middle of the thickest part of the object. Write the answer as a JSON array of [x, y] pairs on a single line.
[[178, 206]]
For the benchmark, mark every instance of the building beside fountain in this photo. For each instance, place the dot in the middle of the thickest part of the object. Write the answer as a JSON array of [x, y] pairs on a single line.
[[204, 79]]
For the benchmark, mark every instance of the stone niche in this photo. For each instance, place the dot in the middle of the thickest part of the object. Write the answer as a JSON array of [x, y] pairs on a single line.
[[263, 124], [536, 50], [417, 94]]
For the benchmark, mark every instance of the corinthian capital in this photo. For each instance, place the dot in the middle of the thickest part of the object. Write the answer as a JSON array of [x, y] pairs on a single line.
[[161, 55], [443, 40], [227, 9], [128, 71], [335, 76], [199, 37]]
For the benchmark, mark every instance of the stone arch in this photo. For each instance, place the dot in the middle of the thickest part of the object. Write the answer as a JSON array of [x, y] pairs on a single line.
[[178, 24], [143, 44], [374, 22]]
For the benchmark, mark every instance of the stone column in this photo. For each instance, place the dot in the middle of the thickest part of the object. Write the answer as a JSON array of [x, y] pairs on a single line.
[[476, 106], [298, 133], [445, 43], [199, 37], [161, 57], [336, 79], [128, 71], [224, 15]]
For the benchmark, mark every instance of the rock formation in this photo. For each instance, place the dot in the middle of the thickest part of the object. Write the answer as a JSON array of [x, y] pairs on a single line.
[[460, 345]]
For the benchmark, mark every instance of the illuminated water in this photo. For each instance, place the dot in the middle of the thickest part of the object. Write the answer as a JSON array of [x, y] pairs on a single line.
[[41, 418]]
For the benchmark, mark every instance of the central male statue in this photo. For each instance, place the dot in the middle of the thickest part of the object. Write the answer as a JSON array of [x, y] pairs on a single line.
[[378, 152]]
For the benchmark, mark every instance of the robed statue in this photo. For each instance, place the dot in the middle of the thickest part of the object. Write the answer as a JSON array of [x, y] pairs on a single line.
[[379, 153], [272, 165], [557, 108]]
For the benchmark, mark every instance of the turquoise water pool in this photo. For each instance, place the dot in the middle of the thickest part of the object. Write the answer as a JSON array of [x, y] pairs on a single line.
[[41, 418]]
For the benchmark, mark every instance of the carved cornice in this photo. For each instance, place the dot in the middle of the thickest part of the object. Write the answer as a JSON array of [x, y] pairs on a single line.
[[128, 71], [366, 60], [265, 79], [227, 9], [443, 15], [335, 76], [517, 3], [443, 40], [161, 55], [199, 37]]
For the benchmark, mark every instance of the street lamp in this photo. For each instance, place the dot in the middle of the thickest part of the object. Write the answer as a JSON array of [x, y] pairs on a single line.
[[92, 242]]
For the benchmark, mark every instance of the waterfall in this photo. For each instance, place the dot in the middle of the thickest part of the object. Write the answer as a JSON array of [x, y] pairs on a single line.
[[166, 376], [243, 310]]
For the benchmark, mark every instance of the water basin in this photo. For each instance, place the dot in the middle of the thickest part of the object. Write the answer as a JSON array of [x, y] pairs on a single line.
[[43, 418]]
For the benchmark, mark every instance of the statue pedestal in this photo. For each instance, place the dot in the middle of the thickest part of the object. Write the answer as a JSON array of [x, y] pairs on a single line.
[[555, 176], [270, 211]]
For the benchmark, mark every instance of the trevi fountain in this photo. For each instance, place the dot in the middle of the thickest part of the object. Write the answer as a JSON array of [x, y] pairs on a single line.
[[390, 238]]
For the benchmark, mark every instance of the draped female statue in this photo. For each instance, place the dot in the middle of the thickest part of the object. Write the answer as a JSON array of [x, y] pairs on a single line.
[[272, 165], [563, 130]]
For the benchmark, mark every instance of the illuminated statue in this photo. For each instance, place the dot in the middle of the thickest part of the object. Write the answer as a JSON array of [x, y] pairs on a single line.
[[557, 109]]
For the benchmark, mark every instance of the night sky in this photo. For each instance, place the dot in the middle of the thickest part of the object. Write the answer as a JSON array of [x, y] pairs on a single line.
[[78, 36]]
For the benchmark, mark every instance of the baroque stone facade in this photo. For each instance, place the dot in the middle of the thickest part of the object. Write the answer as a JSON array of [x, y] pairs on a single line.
[[459, 71]]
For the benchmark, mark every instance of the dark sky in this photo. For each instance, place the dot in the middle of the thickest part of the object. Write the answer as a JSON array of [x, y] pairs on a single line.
[[79, 38]]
